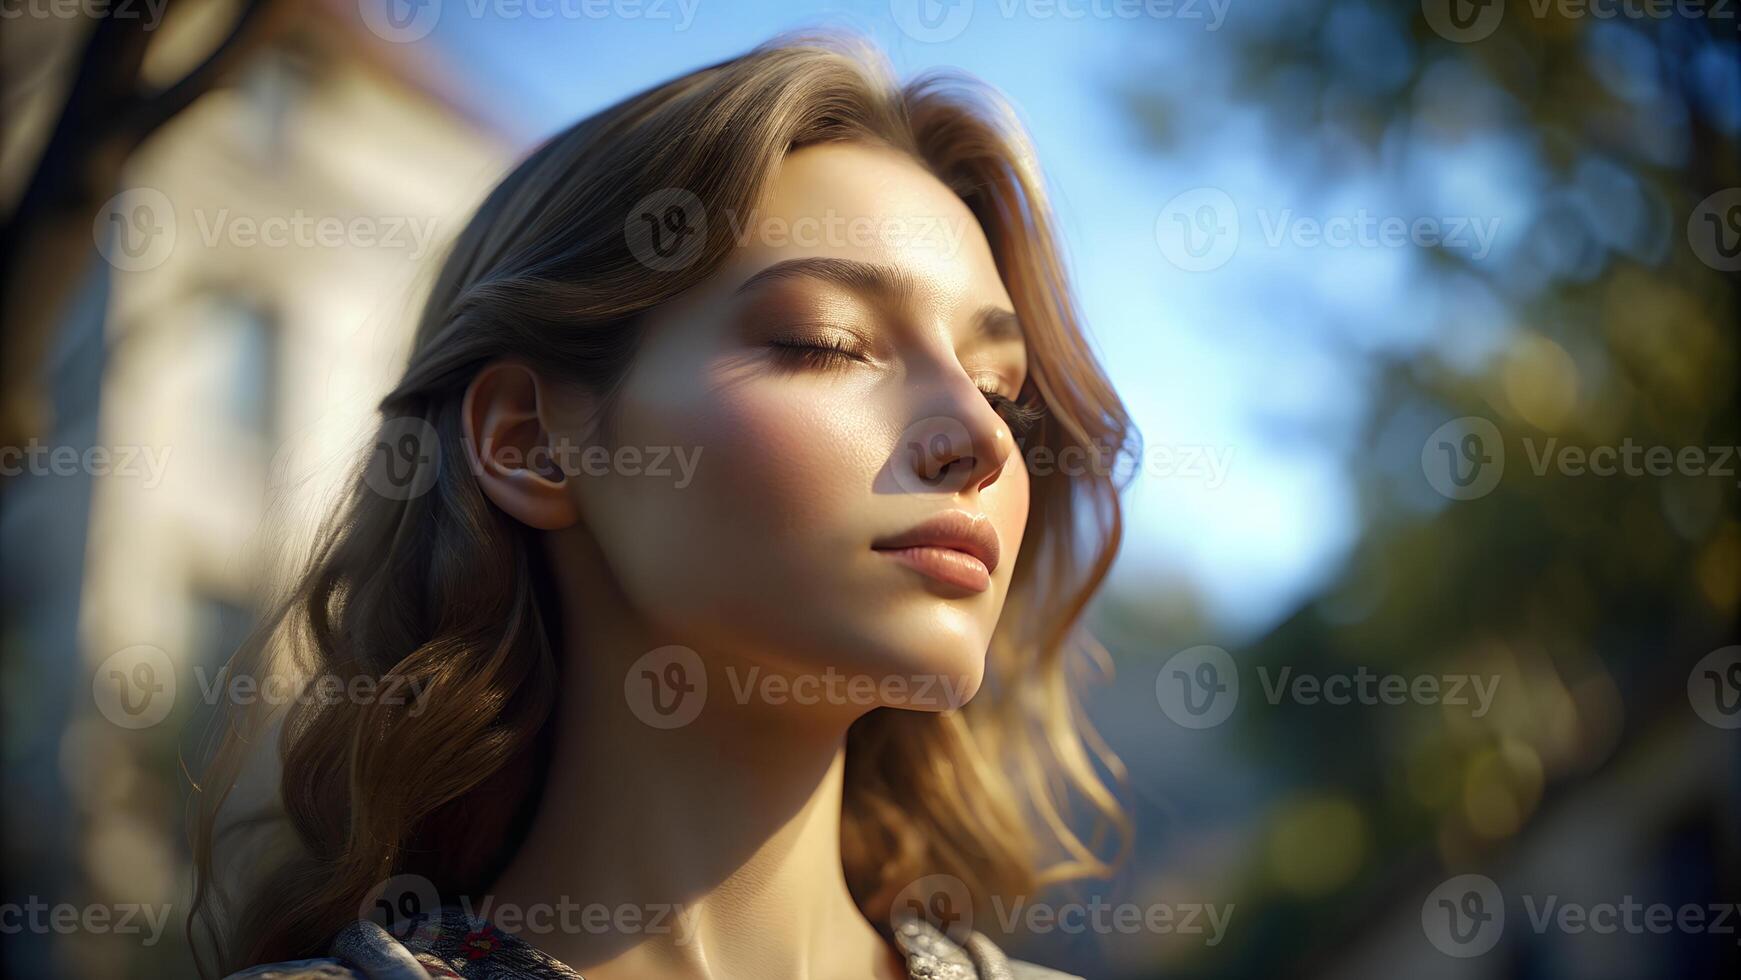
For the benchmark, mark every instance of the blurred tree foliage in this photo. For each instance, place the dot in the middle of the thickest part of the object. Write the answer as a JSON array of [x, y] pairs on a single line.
[[1590, 598]]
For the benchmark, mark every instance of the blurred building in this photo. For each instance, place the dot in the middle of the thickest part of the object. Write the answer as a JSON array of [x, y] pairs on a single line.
[[259, 277]]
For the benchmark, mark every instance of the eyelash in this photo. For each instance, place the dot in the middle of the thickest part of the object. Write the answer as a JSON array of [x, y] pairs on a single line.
[[1019, 416], [827, 352], [830, 352]]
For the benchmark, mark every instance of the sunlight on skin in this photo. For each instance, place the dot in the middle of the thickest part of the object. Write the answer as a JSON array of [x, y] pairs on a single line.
[[765, 565]]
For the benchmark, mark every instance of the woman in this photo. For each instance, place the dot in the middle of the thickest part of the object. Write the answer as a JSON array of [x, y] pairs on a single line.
[[748, 434]]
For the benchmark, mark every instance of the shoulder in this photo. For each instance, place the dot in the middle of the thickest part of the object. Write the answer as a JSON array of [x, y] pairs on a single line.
[[360, 951]]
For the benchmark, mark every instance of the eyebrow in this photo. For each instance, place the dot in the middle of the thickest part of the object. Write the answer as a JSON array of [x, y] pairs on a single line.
[[990, 322]]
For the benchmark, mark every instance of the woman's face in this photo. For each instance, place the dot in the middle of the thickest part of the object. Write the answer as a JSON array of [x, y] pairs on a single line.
[[829, 386]]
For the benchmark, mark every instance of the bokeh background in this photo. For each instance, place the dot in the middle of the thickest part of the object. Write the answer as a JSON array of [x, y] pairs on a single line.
[[1378, 280]]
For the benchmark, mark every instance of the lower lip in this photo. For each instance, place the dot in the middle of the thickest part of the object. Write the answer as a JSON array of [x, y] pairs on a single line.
[[946, 565]]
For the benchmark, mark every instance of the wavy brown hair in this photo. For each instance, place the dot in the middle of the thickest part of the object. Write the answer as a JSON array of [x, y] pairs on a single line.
[[446, 590]]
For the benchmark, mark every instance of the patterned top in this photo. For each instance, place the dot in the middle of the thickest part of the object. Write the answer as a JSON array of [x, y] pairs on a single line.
[[453, 944]]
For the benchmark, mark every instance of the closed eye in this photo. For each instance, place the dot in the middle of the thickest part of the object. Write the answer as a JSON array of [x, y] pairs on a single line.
[[820, 353], [1020, 416], [829, 353]]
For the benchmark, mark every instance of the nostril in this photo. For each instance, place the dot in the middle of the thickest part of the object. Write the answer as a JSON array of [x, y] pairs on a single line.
[[956, 469]]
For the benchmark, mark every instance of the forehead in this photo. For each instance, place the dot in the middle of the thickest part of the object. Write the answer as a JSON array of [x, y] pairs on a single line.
[[876, 205]]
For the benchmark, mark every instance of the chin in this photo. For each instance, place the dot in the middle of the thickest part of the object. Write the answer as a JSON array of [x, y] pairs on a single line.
[[929, 669]]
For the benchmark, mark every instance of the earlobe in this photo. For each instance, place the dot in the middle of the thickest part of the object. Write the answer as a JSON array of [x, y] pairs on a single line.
[[511, 448]]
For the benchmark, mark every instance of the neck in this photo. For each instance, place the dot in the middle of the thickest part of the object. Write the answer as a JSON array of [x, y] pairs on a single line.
[[707, 850]]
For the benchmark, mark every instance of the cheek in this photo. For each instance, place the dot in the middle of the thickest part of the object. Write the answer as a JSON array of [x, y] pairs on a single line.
[[777, 502], [789, 461], [1007, 502], [795, 458]]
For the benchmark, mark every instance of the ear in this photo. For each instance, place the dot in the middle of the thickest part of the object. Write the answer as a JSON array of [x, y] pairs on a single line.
[[509, 444]]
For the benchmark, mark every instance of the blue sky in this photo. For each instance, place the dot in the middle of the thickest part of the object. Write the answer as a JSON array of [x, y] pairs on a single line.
[[1232, 360]]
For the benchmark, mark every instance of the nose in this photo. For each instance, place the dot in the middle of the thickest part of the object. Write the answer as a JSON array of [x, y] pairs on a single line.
[[959, 444]]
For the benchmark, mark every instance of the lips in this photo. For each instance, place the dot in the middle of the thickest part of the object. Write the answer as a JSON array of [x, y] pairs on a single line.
[[955, 548]]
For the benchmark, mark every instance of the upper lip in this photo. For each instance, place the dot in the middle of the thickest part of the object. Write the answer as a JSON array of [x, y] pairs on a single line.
[[956, 530]]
